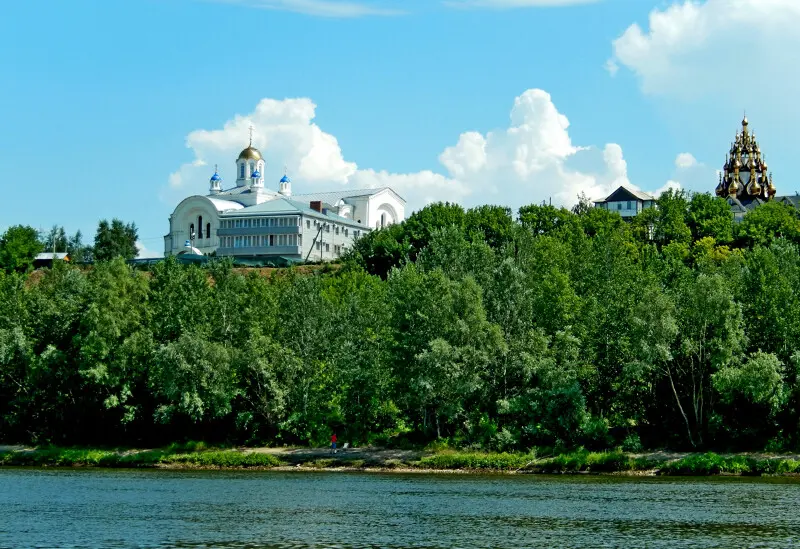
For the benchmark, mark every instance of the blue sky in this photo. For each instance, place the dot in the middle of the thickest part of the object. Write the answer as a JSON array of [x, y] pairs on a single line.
[[120, 109]]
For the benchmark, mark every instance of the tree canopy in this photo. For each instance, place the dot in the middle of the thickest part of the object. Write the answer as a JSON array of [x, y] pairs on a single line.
[[115, 239], [555, 329], [19, 245]]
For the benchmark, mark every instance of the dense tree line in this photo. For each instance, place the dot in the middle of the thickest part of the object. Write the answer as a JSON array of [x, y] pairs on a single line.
[[20, 244], [556, 328]]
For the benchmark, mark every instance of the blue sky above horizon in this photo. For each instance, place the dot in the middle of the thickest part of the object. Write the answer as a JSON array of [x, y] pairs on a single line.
[[121, 109]]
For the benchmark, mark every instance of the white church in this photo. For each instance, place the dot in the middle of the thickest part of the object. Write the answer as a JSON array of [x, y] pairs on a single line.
[[251, 221]]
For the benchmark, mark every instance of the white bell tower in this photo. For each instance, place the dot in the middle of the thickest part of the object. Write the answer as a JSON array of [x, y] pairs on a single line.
[[250, 166], [285, 185], [215, 183]]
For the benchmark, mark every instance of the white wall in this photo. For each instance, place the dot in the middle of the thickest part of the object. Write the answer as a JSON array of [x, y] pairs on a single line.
[[385, 203], [186, 213]]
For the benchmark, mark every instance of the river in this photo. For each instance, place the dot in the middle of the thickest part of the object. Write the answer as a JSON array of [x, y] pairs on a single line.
[[95, 508]]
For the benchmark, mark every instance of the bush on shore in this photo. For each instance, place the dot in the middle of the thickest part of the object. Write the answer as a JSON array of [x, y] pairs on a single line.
[[77, 457], [442, 459]]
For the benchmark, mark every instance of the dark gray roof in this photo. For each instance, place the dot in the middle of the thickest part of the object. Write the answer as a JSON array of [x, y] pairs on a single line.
[[794, 200]]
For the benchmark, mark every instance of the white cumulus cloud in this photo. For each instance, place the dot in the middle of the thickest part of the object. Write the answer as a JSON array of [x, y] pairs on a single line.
[[145, 253], [531, 160], [740, 50], [685, 161]]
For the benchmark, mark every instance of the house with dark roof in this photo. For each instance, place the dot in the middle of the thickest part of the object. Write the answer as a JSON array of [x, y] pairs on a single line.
[[627, 202]]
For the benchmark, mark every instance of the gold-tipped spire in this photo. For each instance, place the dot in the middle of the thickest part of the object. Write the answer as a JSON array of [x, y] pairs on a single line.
[[250, 153], [745, 174]]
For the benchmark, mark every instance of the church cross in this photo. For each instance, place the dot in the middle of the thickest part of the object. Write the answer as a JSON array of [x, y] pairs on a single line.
[[251, 135]]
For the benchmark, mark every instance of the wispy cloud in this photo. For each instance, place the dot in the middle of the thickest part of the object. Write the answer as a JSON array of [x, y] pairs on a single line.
[[321, 8], [509, 4]]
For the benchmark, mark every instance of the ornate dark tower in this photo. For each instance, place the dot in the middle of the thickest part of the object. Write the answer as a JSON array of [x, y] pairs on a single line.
[[745, 175]]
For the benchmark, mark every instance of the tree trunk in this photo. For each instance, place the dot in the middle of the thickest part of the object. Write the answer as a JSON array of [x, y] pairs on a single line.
[[680, 407]]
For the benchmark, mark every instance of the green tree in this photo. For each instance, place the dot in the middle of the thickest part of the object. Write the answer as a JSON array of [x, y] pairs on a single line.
[[115, 239], [16, 357], [769, 222], [306, 327], [420, 226], [57, 407], [114, 339], [711, 336], [179, 301], [360, 358], [546, 219], [55, 241], [768, 293], [671, 218], [759, 380], [379, 251], [19, 245], [457, 257], [77, 250], [446, 343], [493, 224], [599, 221], [710, 216], [194, 378]]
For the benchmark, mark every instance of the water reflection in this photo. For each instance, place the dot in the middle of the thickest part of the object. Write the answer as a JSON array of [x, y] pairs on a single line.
[[262, 510]]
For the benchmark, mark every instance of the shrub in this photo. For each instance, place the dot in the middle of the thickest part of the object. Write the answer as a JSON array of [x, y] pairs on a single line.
[[504, 441], [632, 443], [476, 460]]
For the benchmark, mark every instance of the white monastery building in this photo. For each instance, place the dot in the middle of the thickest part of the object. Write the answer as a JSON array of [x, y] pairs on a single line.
[[251, 221]]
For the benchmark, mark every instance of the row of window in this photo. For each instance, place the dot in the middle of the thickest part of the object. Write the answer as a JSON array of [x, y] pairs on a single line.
[[337, 249], [241, 169], [256, 222], [261, 241], [336, 229], [629, 205], [200, 234], [327, 227], [292, 221]]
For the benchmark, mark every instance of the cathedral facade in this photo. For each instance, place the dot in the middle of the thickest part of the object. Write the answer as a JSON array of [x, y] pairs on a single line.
[[249, 220], [745, 180]]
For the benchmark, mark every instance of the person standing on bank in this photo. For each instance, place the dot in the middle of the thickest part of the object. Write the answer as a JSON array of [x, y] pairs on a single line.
[[333, 443]]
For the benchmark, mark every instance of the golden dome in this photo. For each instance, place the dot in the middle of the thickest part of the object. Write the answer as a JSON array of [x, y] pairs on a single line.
[[250, 153]]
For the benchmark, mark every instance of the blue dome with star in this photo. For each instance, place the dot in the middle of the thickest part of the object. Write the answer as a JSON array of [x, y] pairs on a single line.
[[285, 179], [256, 174], [216, 177]]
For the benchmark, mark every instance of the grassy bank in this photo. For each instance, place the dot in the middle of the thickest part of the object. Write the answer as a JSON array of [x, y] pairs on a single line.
[[166, 457], [197, 456]]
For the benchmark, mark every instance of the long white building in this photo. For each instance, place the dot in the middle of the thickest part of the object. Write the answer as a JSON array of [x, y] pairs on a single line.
[[251, 221]]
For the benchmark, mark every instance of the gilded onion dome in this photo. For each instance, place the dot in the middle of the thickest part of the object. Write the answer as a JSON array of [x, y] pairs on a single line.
[[744, 175], [250, 153]]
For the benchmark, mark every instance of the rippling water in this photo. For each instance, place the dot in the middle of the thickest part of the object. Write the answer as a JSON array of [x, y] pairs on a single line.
[[266, 510]]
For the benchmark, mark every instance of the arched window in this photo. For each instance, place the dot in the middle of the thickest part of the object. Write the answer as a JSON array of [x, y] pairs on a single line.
[[200, 226], [208, 230], [252, 168], [241, 170], [383, 220], [191, 230]]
